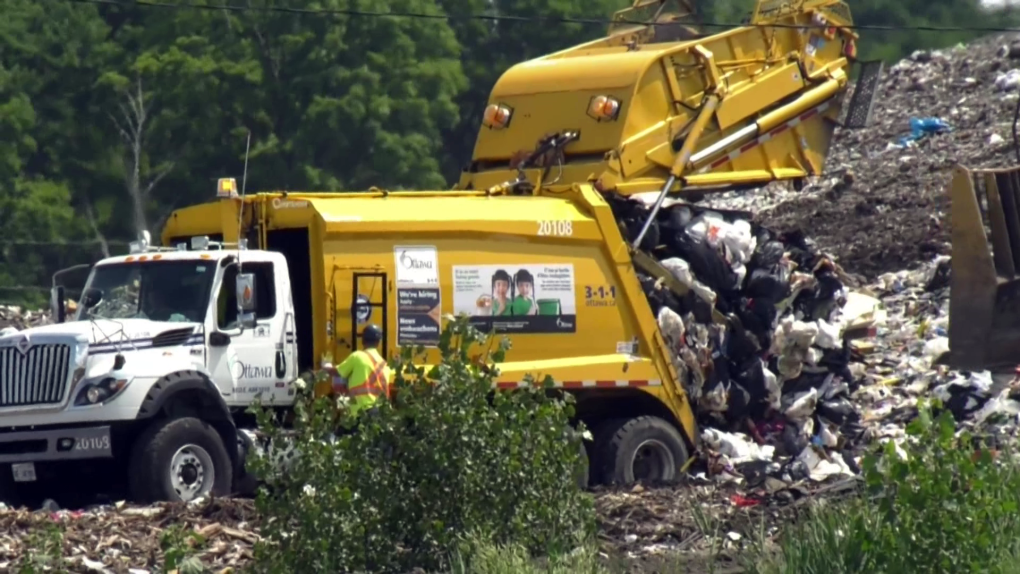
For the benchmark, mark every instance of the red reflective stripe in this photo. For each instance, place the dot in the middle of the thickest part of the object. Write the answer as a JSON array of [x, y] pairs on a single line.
[[376, 380], [364, 390], [376, 383]]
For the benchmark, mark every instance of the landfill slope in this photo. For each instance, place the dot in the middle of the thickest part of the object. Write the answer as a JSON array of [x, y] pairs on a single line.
[[881, 208]]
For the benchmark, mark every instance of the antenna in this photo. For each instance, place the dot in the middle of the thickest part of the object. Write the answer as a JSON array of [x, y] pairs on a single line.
[[240, 212]]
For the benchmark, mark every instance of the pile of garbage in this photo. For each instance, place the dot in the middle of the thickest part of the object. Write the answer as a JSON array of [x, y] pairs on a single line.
[[881, 204], [902, 366], [758, 340], [13, 317]]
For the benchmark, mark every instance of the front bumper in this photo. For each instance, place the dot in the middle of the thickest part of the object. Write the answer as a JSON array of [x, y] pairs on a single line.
[[73, 443]]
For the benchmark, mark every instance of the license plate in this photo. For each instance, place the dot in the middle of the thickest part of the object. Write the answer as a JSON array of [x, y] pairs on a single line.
[[23, 471]]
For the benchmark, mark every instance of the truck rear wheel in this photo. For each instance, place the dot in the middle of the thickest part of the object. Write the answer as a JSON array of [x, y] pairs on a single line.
[[179, 460], [644, 448]]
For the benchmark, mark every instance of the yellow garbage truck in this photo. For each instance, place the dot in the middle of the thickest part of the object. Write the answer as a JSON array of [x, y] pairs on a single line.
[[249, 290]]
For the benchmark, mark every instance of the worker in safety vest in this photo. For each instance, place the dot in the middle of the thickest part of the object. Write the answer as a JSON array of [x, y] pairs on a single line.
[[366, 372]]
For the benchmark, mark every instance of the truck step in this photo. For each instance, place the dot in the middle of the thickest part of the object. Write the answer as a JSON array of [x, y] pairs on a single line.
[[858, 114]]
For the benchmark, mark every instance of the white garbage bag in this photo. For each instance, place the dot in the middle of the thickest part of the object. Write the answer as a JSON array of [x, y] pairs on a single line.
[[682, 271], [738, 447]]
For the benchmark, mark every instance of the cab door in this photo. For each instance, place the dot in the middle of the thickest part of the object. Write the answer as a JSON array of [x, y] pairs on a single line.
[[256, 361]]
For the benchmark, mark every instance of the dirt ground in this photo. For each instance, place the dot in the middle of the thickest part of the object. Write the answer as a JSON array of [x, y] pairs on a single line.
[[683, 528]]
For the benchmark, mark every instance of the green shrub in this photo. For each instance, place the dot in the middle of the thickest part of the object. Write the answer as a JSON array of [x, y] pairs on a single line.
[[445, 458], [949, 505]]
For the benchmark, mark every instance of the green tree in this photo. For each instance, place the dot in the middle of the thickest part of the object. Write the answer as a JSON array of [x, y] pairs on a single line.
[[49, 55]]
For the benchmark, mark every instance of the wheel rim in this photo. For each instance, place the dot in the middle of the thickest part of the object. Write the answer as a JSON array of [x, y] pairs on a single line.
[[652, 461], [191, 472]]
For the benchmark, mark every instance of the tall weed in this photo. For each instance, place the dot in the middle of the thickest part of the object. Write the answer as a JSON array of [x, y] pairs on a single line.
[[946, 502]]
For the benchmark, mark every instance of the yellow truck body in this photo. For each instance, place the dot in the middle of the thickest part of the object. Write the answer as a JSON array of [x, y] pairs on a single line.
[[607, 339], [634, 112]]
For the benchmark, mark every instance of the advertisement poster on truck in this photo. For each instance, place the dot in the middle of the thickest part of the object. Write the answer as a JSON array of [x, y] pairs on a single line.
[[512, 298], [418, 297]]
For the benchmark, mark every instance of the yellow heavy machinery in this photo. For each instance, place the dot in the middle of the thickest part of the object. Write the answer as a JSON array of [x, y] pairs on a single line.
[[984, 305], [527, 242]]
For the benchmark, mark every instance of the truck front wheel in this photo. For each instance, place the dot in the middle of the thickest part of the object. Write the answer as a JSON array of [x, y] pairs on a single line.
[[179, 459], [643, 448]]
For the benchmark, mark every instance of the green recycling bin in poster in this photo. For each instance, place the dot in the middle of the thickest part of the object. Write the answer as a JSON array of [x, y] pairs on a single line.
[[517, 298]]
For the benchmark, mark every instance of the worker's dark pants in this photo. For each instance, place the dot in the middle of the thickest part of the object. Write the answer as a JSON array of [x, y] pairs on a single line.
[[365, 415]]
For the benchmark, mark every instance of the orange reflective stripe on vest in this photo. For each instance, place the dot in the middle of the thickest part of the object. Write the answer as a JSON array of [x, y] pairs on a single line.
[[376, 384]]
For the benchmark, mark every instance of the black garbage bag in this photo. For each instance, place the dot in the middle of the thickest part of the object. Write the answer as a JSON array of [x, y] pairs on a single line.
[[768, 254], [837, 361], [759, 317], [631, 216], [965, 400], [839, 411], [742, 345], [795, 470], [819, 301], [751, 376], [940, 276], [706, 263], [805, 382], [848, 458], [701, 309], [658, 298], [739, 406], [769, 283], [792, 441], [802, 249], [754, 472]]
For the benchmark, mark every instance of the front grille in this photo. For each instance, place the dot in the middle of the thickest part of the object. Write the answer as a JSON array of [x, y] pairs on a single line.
[[38, 377]]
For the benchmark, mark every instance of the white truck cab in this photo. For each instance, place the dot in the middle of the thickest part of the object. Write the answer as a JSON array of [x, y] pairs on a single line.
[[167, 347]]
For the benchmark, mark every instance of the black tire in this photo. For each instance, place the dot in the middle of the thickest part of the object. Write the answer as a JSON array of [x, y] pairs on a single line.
[[659, 443], [152, 456], [247, 484], [601, 432]]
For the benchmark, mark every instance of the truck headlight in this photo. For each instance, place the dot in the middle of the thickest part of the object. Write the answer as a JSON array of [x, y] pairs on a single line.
[[99, 390]]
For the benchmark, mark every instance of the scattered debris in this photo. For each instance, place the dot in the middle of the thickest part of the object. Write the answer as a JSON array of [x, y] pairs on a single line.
[[123, 538], [16, 318]]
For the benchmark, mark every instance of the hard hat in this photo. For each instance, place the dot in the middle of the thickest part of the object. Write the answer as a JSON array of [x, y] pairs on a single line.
[[371, 335]]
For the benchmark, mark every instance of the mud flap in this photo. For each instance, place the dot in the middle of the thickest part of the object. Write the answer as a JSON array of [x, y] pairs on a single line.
[[858, 114]]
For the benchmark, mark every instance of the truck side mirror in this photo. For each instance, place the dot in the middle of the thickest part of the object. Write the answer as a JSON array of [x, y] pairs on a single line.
[[57, 308], [248, 321], [246, 300]]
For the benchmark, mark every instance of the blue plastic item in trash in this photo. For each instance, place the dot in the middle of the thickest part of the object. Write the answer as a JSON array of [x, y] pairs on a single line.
[[920, 127]]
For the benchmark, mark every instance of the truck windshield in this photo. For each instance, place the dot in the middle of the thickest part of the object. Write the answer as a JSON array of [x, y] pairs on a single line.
[[155, 290]]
